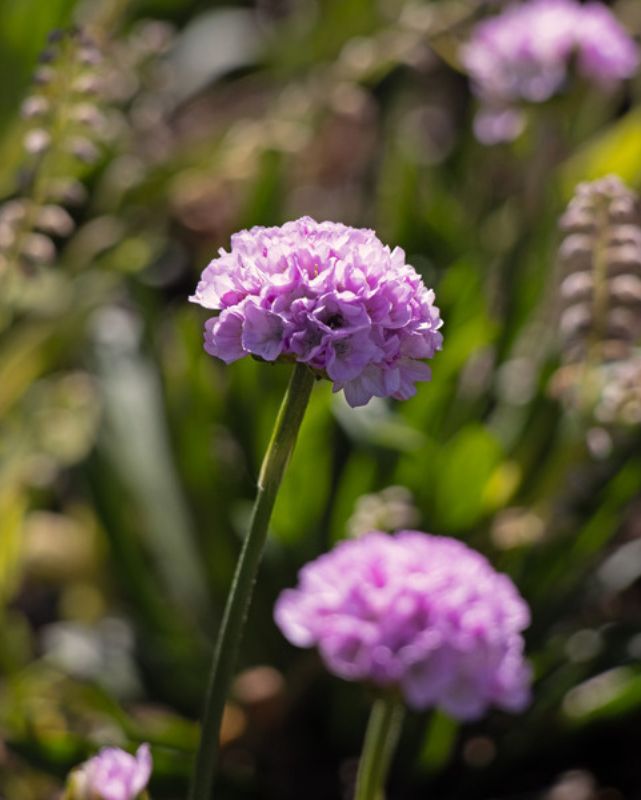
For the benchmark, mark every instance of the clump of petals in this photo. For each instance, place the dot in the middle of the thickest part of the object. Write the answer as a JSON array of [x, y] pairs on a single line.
[[326, 295], [112, 774], [425, 614]]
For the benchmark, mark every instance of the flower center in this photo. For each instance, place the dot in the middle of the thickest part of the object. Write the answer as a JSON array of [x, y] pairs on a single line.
[[334, 321]]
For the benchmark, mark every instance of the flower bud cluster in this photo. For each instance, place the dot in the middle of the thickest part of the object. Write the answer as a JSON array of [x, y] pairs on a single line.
[[600, 298], [64, 124], [85, 99], [65, 101], [600, 259]]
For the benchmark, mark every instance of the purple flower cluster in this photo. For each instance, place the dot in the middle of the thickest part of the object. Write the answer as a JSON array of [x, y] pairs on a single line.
[[326, 295], [525, 52], [422, 613], [113, 774]]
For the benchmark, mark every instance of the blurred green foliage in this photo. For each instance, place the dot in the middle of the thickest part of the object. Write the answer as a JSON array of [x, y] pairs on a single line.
[[128, 458]]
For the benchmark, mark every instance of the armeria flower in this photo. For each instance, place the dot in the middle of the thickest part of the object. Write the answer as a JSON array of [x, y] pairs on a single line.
[[422, 613], [113, 774], [525, 53], [327, 295]]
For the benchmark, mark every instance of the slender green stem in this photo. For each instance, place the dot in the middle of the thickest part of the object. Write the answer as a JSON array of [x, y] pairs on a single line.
[[381, 738], [280, 447]]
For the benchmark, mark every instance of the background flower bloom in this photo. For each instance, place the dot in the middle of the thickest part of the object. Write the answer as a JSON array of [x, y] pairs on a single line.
[[113, 774], [421, 612], [525, 53], [327, 295]]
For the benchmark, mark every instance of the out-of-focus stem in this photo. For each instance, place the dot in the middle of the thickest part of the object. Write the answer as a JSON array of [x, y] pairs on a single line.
[[381, 738]]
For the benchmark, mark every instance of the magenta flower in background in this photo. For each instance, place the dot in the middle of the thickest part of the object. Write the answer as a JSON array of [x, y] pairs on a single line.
[[525, 52], [419, 612], [112, 774], [326, 295]]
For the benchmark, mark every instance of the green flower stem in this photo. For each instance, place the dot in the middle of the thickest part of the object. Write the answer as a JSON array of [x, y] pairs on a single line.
[[381, 738], [280, 447]]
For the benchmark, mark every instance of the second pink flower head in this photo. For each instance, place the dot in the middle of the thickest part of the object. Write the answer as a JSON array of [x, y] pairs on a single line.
[[423, 614]]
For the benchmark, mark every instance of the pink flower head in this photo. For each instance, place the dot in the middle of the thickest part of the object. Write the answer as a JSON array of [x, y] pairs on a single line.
[[113, 774], [606, 52], [425, 614], [326, 295], [524, 54]]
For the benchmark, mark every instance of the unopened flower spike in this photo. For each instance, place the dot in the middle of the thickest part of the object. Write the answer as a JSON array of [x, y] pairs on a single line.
[[600, 302], [29, 223]]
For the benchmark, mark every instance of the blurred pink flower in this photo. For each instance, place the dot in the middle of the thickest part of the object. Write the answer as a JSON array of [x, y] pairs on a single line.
[[112, 774], [525, 52], [423, 613]]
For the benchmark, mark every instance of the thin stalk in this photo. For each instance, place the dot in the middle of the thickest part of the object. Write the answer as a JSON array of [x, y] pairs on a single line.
[[381, 738], [590, 382], [600, 278], [280, 447]]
